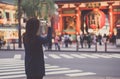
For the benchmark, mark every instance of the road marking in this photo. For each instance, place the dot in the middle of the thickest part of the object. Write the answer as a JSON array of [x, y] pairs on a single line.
[[9, 70], [116, 55], [12, 76], [66, 56], [54, 56], [102, 55], [87, 55], [52, 67], [8, 60], [71, 56], [15, 70], [12, 64], [17, 56], [80, 74], [57, 69], [62, 72], [11, 67], [12, 72], [77, 56]]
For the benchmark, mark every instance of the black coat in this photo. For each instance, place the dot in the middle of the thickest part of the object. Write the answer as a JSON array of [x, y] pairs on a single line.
[[34, 57]]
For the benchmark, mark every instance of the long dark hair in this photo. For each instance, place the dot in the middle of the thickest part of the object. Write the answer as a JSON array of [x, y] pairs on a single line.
[[32, 27]]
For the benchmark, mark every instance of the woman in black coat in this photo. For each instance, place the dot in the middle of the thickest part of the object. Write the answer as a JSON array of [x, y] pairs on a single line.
[[34, 57]]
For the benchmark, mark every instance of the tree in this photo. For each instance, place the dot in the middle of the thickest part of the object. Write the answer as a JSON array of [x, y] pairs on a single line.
[[34, 8], [38, 8]]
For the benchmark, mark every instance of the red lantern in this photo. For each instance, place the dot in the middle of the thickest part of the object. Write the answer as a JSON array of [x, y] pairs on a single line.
[[95, 19], [93, 26]]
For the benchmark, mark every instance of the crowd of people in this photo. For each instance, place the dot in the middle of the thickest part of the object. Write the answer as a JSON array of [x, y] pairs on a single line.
[[92, 39], [84, 40]]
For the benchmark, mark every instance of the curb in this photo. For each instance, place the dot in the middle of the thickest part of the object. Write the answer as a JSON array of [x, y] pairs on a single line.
[[66, 51]]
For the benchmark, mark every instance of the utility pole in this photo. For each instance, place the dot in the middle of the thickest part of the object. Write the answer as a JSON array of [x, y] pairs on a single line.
[[19, 24]]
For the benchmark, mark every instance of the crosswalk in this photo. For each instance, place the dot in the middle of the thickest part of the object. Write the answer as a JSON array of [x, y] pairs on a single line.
[[80, 56], [13, 69], [74, 55]]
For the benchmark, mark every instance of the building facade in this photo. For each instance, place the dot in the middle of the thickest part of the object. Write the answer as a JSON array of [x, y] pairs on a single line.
[[8, 21], [83, 16], [74, 17]]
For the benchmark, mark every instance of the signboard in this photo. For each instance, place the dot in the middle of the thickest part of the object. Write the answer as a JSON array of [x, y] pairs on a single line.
[[69, 12], [93, 5]]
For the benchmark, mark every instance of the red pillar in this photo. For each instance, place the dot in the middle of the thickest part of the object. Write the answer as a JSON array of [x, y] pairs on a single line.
[[111, 17], [60, 25], [78, 14]]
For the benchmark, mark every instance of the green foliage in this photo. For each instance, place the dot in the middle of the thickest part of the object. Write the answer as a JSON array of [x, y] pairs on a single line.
[[37, 8]]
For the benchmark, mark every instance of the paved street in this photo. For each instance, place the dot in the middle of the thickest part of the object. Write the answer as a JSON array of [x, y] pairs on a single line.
[[73, 48], [67, 65]]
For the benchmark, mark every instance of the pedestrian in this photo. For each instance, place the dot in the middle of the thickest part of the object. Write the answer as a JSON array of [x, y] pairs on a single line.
[[104, 38], [100, 39], [89, 40], [57, 45], [70, 40], [0, 43], [34, 57], [94, 39], [66, 40], [85, 40], [113, 39], [81, 40]]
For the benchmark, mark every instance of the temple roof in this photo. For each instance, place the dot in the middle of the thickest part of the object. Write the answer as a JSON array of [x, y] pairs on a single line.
[[81, 1], [59, 1]]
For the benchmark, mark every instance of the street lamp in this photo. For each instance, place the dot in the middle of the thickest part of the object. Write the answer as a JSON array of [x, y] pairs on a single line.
[[19, 24]]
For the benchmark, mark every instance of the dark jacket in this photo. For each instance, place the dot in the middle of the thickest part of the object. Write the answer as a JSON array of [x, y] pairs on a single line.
[[34, 57]]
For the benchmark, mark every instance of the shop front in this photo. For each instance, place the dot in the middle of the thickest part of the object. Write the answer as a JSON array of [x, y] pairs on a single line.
[[8, 34]]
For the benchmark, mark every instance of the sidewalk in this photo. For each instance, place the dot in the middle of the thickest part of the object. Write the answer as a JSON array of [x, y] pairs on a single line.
[[73, 48]]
